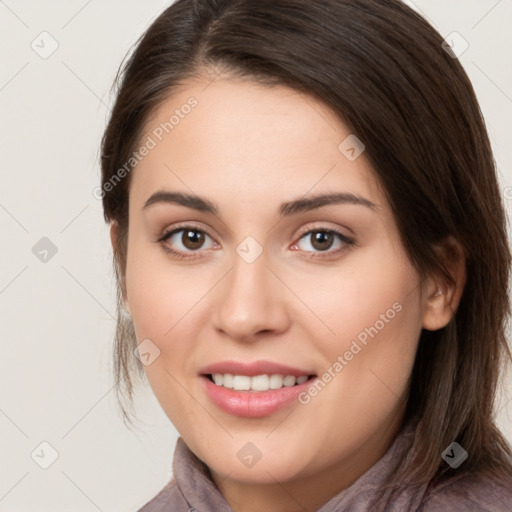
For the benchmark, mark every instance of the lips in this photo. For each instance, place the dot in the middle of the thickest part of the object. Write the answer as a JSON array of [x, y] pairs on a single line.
[[252, 369], [228, 385]]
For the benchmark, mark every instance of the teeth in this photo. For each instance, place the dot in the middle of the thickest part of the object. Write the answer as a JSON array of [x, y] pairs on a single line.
[[258, 382], [289, 380], [241, 383], [227, 380], [276, 381]]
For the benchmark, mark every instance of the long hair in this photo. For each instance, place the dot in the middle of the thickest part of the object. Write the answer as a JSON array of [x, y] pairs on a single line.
[[384, 72]]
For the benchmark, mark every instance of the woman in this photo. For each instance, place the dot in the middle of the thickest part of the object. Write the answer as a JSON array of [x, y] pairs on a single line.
[[312, 260]]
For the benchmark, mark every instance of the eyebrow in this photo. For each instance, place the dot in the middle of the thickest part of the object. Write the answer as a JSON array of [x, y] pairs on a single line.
[[303, 204]]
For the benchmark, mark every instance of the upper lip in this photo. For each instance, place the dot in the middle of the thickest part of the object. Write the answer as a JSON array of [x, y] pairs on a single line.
[[253, 368]]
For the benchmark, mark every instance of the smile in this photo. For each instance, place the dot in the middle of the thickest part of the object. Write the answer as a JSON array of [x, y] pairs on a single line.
[[263, 382], [254, 389]]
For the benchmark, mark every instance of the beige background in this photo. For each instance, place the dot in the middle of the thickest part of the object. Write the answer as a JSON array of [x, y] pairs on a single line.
[[57, 317]]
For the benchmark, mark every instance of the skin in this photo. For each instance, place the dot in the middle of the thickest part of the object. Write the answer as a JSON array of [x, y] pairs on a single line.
[[249, 148]]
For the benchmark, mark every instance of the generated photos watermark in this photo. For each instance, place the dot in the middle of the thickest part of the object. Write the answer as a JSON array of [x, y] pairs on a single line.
[[150, 143], [357, 345]]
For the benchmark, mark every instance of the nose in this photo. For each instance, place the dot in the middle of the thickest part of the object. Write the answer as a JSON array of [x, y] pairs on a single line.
[[251, 301]]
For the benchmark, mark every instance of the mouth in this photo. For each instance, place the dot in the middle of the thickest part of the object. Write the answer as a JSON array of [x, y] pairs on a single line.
[[257, 383], [256, 389]]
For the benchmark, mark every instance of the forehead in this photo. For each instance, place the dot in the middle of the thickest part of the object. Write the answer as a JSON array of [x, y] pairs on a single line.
[[239, 139]]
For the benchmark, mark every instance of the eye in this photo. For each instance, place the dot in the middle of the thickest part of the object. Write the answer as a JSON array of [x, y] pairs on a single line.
[[322, 240], [183, 240]]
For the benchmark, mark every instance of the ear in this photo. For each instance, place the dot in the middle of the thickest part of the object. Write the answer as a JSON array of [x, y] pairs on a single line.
[[440, 297], [114, 237]]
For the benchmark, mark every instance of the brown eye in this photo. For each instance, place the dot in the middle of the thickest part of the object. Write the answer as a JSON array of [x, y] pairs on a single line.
[[322, 240], [192, 239], [186, 241]]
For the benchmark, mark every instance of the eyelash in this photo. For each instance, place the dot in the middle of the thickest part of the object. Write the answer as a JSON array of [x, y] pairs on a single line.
[[181, 255]]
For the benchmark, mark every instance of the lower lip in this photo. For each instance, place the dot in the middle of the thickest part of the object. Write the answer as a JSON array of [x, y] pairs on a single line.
[[253, 404]]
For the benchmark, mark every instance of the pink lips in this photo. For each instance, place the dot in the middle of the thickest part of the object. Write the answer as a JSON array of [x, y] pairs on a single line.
[[252, 369], [252, 404]]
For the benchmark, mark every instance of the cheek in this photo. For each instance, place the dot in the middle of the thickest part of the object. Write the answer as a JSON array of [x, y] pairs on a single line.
[[151, 293], [379, 350], [160, 302], [167, 304], [374, 294], [373, 311], [154, 291]]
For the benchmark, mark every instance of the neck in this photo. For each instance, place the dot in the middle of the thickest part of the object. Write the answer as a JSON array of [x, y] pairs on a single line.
[[312, 491]]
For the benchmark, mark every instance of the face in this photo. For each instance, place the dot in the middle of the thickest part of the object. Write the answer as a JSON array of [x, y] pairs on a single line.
[[249, 289]]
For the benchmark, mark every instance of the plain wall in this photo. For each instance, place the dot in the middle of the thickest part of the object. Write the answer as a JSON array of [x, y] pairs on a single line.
[[57, 316]]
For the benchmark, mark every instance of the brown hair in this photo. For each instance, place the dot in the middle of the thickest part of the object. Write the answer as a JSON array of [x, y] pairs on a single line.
[[382, 69]]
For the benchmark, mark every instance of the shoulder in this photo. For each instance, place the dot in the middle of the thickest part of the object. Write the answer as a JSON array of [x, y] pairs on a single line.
[[169, 496], [469, 493]]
